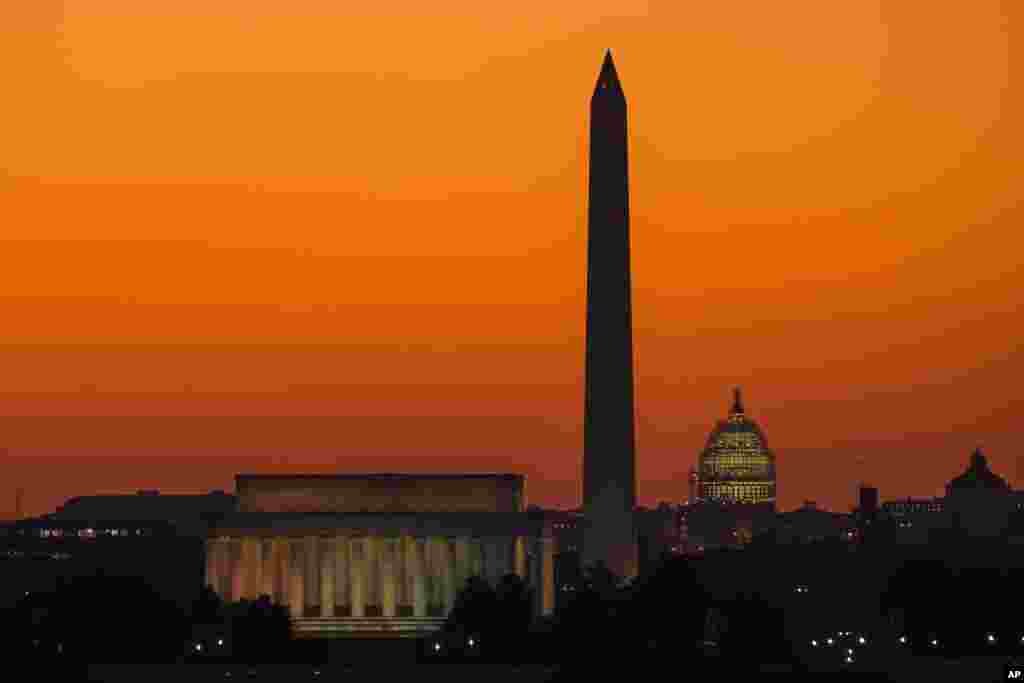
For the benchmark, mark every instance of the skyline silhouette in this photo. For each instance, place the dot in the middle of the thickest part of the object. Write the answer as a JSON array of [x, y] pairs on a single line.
[[210, 243]]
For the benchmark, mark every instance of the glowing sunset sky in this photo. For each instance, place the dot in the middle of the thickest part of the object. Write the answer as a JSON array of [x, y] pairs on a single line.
[[368, 220]]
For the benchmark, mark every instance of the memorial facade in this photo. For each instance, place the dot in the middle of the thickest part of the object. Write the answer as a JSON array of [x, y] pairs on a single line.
[[377, 554]]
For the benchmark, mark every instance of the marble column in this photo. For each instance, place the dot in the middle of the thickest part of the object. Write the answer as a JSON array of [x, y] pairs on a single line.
[[212, 578], [357, 590], [493, 560], [402, 593], [408, 554], [311, 577], [388, 575], [296, 583], [237, 570], [269, 569], [502, 553], [432, 574], [519, 557], [447, 575], [342, 574], [328, 555], [251, 547], [420, 587], [371, 573], [282, 571], [224, 568]]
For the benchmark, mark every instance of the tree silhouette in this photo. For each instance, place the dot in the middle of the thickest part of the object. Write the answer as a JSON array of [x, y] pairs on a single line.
[[497, 619], [260, 630], [103, 618]]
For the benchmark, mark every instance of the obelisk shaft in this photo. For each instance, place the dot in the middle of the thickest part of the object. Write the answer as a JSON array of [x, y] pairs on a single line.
[[609, 473]]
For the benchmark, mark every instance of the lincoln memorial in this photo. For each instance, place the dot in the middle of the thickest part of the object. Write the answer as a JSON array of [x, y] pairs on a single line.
[[376, 554]]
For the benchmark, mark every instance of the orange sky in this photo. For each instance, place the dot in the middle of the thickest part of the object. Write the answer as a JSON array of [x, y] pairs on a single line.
[[367, 219]]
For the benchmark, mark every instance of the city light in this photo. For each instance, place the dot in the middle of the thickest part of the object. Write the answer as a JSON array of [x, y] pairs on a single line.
[[829, 641], [903, 639], [437, 647], [990, 638], [934, 642], [814, 643], [849, 659], [471, 642], [199, 647], [220, 641], [861, 640]]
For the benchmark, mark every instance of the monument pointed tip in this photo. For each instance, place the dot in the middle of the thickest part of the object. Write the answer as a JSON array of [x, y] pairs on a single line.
[[737, 401], [609, 77]]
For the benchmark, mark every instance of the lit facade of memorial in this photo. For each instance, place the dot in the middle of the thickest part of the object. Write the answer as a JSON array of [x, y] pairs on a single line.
[[377, 554], [736, 465]]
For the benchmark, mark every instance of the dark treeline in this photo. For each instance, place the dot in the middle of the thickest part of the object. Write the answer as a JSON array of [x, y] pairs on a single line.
[[103, 618], [766, 605], [800, 608]]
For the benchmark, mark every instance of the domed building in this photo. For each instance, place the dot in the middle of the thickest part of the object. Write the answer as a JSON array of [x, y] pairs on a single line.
[[736, 465], [977, 477], [979, 502]]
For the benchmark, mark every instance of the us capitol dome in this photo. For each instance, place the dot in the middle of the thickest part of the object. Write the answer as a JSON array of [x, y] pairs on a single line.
[[736, 465]]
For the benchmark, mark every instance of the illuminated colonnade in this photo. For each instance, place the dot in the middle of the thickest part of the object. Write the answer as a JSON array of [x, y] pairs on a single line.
[[367, 576]]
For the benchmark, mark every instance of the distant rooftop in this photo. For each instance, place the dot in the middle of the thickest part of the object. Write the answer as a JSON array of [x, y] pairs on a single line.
[[145, 505], [381, 475]]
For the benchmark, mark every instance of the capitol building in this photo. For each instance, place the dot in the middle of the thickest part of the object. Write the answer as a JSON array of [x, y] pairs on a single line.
[[736, 465]]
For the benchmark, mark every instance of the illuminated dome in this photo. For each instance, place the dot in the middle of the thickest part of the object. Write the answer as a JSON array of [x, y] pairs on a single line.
[[736, 465]]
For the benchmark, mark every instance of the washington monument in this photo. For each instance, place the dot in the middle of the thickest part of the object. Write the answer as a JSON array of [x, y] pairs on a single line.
[[609, 469]]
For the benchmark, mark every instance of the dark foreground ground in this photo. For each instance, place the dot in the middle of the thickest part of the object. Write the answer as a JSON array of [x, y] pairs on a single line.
[[916, 669]]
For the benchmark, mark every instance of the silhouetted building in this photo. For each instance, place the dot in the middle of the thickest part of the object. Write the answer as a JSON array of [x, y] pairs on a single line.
[[736, 465], [714, 524], [567, 526], [609, 470], [192, 514], [40, 554], [659, 535], [867, 501], [978, 501], [156, 536], [811, 524], [378, 554], [906, 508], [910, 521]]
